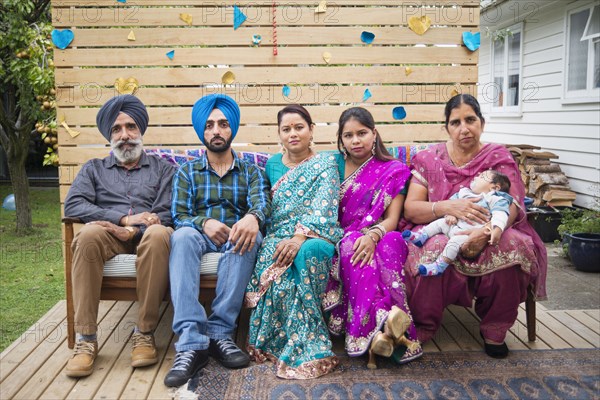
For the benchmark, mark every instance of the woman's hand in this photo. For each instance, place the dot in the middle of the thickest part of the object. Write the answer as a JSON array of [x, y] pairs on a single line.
[[364, 250], [468, 210], [478, 239], [287, 249]]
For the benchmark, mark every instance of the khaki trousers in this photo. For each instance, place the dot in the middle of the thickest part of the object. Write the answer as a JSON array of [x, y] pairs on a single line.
[[92, 247]]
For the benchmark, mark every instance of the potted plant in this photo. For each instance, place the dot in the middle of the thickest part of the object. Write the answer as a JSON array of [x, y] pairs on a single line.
[[580, 229]]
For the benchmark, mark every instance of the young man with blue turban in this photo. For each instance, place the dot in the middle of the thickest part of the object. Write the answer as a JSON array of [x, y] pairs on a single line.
[[125, 201], [220, 202]]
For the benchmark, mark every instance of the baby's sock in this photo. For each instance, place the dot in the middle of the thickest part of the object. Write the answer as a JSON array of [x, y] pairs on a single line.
[[435, 268], [416, 238]]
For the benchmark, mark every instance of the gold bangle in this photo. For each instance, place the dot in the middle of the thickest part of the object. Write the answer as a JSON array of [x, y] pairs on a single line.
[[369, 235], [127, 220], [433, 209]]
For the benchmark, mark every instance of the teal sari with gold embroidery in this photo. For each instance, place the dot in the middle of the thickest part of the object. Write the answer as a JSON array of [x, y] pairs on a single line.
[[286, 324]]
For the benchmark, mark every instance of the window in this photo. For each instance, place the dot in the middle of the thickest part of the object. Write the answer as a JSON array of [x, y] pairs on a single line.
[[582, 78], [506, 70]]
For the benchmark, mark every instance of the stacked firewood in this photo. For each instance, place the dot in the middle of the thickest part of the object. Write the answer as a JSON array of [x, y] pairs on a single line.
[[544, 181]]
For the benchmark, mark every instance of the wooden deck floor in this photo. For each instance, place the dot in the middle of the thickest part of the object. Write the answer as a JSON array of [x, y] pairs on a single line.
[[32, 367]]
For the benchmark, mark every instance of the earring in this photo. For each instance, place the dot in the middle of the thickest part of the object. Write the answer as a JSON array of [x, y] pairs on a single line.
[[282, 148], [345, 153], [373, 149], [311, 144]]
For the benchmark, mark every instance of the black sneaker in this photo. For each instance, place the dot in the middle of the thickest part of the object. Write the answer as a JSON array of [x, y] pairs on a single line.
[[186, 364], [227, 353]]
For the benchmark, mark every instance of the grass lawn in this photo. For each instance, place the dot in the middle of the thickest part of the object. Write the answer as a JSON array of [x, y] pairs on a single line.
[[31, 267]]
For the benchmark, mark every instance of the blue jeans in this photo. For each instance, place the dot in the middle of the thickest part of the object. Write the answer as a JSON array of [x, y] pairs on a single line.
[[189, 320]]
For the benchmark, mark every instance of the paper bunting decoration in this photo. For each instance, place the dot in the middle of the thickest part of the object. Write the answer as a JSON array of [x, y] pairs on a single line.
[[327, 57], [367, 95], [187, 18], [62, 39], [399, 112], [70, 131], [454, 92], [228, 78], [126, 86], [131, 36], [471, 40], [321, 8], [419, 25], [171, 54], [122, 1], [256, 39], [238, 17], [285, 90], [407, 71], [367, 37]]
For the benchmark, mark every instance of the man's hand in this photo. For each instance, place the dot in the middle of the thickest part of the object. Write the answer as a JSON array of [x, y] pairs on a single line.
[[117, 231], [478, 239], [451, 219], [216, 231], [145, 218], [243, 234]]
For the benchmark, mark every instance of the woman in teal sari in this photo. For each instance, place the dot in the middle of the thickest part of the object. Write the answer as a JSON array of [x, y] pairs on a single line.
[[292, 268]]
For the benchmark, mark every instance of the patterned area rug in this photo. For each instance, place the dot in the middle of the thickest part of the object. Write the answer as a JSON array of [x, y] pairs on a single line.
[[531, 374]]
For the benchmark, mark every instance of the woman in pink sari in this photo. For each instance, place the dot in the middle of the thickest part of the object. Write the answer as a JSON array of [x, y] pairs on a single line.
[[365, 293], [499, 276]]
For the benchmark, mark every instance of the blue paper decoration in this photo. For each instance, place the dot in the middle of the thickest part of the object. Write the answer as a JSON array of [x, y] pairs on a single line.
[[171, 54], [122, 1], [399, 112], [367, 95], [367, 37], [471, 40], [62, 39], [238, 17], [286, 90]]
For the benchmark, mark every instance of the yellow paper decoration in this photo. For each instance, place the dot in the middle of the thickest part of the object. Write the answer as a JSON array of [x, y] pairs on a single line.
[[187, 18], [131, 36], [327, 57], [228, 78], [126, 86], [321, 8], [419, 25], [72, 132], [407, 71], [454, 93]]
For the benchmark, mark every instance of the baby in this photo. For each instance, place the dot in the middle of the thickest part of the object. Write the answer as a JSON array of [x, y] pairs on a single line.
[[491, 187]]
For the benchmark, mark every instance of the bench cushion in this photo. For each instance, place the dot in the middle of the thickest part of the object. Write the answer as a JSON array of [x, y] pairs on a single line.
[[123, 265]]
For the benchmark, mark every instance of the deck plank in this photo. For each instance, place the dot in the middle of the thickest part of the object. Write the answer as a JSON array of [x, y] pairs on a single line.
[[36, 367], [116, 338], [577, 327], [18, 350]]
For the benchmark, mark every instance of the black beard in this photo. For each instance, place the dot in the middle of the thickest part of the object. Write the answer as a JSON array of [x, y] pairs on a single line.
[[221, 148]]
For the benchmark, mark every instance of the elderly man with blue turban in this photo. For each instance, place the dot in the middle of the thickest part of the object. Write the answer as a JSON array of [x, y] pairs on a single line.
[[125, 201], [220, 202]]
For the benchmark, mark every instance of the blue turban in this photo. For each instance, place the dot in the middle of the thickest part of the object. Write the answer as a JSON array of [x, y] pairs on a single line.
[[204, 107], [126, 104]]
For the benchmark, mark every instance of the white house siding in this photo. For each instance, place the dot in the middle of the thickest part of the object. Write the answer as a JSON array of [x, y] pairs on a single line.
[[572, 131]]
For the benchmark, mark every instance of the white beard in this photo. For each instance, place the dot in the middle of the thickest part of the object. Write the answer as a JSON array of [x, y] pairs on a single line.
[[127, 156]]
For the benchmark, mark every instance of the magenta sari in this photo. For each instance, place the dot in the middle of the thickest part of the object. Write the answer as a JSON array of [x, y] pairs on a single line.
[[499, 277], [360, 298]]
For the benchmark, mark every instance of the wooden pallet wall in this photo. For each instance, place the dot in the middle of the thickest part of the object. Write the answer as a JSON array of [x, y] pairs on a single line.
[[101, 53]]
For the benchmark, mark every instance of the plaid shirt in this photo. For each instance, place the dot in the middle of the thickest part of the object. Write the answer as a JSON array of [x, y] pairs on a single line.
[[199, 193]]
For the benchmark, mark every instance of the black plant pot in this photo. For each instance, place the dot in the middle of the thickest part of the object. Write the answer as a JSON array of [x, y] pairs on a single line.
[[584, 249], [545, 221]]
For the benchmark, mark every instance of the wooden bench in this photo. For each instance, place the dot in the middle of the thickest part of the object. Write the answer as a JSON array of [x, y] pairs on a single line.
[[119, 281]]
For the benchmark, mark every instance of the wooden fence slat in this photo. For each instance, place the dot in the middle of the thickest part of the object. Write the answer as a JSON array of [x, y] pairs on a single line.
[[264, 114], [262, 56], [219, 36], [271, 95], [264, 75], [256, 16], [264, 3]]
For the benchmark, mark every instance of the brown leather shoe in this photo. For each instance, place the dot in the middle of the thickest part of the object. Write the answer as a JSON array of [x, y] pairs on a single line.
[[144, 351], [82, 361]]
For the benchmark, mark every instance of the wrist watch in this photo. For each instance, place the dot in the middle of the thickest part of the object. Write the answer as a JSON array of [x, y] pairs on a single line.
[[255, 215], [131, 231]]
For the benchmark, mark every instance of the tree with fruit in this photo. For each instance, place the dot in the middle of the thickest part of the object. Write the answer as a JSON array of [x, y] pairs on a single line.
[[26, 91]]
